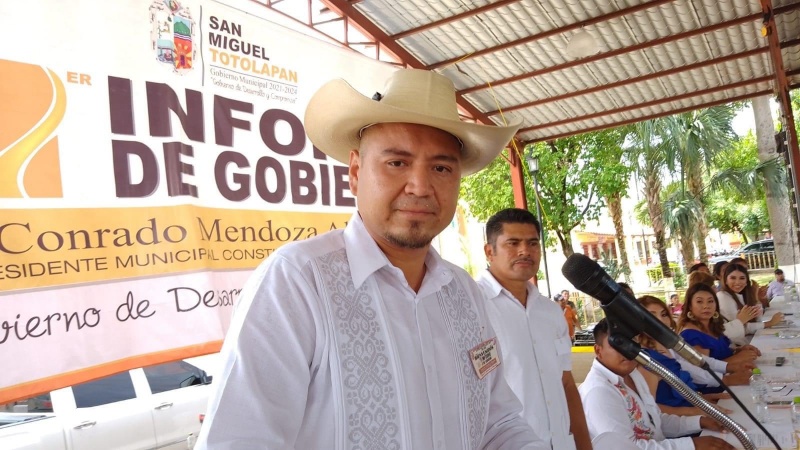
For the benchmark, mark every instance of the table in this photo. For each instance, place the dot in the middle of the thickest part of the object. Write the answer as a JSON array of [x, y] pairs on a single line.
[[784, 380]]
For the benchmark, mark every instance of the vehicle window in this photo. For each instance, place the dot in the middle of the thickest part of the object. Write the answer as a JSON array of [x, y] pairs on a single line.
[[172, 375], [38, 404], [114, 388]]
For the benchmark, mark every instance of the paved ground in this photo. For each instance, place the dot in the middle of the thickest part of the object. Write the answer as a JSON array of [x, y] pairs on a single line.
[[581, 362]]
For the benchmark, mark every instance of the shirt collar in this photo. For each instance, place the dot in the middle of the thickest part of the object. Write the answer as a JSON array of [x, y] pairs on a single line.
[[495, 288], [365, 257], [606, 373]]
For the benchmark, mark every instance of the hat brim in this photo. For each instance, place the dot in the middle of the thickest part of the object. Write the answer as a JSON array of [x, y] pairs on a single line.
[[337, 112]]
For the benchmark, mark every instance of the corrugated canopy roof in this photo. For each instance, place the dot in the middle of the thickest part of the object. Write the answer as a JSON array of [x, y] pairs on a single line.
[[654, 58]]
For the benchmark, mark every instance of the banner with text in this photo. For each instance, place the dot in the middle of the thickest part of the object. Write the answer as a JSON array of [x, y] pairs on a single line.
[[152, 153]]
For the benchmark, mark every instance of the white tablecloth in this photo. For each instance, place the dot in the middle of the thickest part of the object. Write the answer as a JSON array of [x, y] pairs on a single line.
[[784, 380]]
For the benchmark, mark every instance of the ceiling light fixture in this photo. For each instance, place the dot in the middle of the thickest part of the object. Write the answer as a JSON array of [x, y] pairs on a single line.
[[582, 44]]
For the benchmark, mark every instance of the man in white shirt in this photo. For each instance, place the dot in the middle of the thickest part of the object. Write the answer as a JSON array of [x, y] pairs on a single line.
[[365, 337], [616, 399], [534, 341], [776, 286]]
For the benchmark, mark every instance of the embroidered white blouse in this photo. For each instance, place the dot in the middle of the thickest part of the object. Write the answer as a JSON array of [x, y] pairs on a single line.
[[536, 351], [611, 406], [329, 348]]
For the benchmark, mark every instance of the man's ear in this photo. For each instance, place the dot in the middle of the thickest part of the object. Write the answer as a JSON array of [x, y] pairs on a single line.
[[355, 165], [488, 251]]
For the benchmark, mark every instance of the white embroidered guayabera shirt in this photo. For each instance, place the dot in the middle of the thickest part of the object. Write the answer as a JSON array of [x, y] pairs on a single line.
[[611, 406], [329, 348], [536, 350]]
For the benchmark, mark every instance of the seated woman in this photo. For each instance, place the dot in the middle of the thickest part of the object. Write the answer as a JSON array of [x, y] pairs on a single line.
[[669, 400], [758, 292], [738, 305], [702, 326]]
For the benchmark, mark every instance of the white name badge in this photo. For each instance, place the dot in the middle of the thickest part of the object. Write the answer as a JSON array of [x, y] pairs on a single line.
[[484, 357]]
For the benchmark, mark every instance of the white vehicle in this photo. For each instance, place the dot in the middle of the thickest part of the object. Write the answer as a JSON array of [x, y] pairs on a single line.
[[156, 407]]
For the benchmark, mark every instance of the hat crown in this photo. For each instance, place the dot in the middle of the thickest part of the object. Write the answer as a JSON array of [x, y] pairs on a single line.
[[422, 91]]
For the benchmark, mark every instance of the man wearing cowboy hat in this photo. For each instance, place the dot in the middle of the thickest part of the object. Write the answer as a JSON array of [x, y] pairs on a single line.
[[365, 337]]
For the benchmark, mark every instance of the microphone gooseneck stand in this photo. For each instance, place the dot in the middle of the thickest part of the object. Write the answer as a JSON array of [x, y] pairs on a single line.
[[627, 319], [620, 337], [696, 399]]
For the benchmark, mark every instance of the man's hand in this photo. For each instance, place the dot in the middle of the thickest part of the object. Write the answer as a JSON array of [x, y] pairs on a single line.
[[746, 366], [711, 443], [717, 396], [739, 378], [753, 347], [744, 354], [707, 423]]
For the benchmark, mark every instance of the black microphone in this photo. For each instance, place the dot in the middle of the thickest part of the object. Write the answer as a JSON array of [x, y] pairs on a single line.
[[588, 277]]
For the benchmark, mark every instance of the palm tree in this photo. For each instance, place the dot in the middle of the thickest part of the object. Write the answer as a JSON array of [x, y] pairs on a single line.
[[692, 142], [746, 179], [613, 181], [647, 149], [681, 213], [614, 203]]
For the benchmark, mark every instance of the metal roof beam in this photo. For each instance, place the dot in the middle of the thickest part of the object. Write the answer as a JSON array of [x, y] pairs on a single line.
[[632, 48], [648, 104], [782, 84], [553, 32], [652, 116], [455, 18], [663, 73]]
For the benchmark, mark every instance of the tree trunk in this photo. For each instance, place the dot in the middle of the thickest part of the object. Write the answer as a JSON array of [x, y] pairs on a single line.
[[696, 187], [687, 251], [652, 192], [615, 209], [777, 198], [566, 243], [744, 237]]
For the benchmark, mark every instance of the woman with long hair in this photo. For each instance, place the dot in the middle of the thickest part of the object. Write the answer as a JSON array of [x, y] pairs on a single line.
[[758, 292], [738, 305], [670, 400], [702, 327]]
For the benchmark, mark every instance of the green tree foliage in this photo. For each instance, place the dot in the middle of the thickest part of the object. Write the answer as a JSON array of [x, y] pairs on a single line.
[[682, 212], [724, 213], [647, 149], [489, 190], [737, 202], [575, 175], [692, 141], [729, 214]]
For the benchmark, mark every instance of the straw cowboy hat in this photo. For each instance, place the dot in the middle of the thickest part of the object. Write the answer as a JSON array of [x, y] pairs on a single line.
[[337, 113]]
